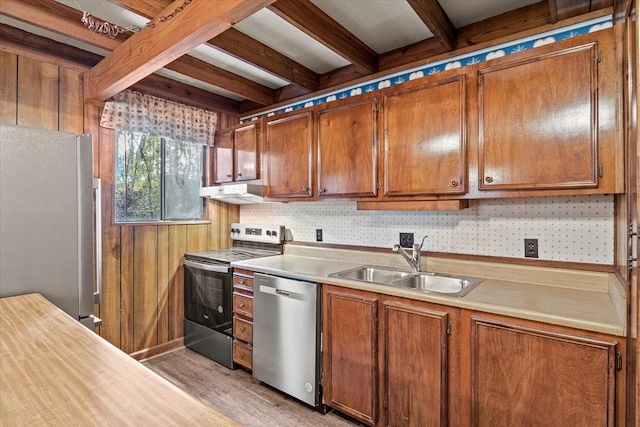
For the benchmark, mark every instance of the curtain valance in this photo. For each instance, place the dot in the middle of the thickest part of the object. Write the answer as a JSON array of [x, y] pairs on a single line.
[[136, 112]]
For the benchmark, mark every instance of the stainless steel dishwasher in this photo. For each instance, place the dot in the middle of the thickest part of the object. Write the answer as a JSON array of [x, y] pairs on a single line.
[[286, 336]]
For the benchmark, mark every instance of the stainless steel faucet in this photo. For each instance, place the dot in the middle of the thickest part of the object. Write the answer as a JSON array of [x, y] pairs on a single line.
[[414, 260]]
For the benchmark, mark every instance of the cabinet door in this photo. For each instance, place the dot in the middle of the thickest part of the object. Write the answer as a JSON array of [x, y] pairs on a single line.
[[246, 153], [347, 147], [538, 121], [289, 156], [425, 139], [350, 368], [223, 157], [415, 368], [524, 376]]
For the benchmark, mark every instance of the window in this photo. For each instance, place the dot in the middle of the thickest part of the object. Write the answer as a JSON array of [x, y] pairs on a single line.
[[157, 178]]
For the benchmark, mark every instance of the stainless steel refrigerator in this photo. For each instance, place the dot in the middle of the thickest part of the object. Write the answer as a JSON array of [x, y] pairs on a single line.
[[50, 219]]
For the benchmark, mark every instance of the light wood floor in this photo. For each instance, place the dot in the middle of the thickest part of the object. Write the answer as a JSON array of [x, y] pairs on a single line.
[[236, 394]]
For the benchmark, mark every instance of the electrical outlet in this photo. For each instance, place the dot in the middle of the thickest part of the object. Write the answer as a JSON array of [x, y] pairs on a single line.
[[531, 248], [319, 235], [406, 240]]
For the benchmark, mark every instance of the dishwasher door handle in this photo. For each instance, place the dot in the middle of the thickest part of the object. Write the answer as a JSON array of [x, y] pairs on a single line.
[[283, 293]]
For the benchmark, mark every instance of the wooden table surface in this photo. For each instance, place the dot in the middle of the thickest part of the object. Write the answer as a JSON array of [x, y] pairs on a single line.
[[55, 372]]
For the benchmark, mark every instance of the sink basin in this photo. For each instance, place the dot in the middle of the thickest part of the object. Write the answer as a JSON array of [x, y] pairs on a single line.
[[422, 281], [439, 283], [372, 274]]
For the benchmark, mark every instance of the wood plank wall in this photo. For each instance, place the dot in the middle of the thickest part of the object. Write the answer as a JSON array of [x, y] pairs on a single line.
[[142, 306]]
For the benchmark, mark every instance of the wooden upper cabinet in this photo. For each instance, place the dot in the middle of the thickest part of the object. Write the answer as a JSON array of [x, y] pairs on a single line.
[[425, 138], [530, 376], [246, 153], [235, 154], [223, 157], [545, 117], [289, 156], [347, 149]]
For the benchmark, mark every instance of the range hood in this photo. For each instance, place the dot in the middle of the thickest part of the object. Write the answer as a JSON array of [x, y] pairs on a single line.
[[237, 194]]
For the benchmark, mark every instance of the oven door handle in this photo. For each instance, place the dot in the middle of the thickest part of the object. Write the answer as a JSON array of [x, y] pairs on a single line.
[[207, 267]]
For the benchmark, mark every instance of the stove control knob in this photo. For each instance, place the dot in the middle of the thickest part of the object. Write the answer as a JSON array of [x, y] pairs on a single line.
[[274, 233], [268, 233]]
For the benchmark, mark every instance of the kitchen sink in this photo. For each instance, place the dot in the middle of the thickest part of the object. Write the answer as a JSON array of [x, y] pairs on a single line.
[[422, 281], [372, 274], [439, 283]]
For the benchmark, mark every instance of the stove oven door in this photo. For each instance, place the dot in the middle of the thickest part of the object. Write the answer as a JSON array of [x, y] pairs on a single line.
[[208, 295]]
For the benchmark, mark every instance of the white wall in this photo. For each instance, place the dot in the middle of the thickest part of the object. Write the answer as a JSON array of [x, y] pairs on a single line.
[[572, 228]]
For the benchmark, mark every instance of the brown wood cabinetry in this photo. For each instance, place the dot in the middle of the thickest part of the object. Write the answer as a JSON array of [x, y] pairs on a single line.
[[533, 376], [289, 156], [236, 154], [350, 346], [385, 358], [425, 133], [347, 149], [414, 365], [395, 361], [546, 118], [243, 318]]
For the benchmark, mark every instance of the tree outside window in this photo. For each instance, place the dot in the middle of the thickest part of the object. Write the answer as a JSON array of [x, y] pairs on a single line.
[[157, 178]]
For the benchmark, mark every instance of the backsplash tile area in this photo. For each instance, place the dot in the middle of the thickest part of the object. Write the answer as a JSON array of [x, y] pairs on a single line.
[[572, 228]]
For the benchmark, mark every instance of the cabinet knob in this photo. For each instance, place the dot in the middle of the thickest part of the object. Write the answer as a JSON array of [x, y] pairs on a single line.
[[229, 176], [488, 179], [241, 305], [242, 329], [241, 355], [322, 190], [242, 282], [239, 174], [305, 189], [454, 183]]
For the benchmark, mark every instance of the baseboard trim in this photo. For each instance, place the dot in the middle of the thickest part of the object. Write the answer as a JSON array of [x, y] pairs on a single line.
[[157, 350]]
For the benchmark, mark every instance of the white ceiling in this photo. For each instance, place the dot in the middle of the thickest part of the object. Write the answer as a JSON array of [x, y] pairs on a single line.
[[383, 25]]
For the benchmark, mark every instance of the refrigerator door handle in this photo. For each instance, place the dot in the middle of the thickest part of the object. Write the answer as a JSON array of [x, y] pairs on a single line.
[[97, 296]]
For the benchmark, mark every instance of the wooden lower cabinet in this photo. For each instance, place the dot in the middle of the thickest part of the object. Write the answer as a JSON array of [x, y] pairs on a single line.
[[391, 361], [243, 318], [414, 365], [384, 358], [350, 345], [524, 375]]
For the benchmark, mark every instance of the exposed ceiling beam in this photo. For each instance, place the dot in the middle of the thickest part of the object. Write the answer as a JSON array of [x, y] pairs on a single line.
[[179, 92], [243, 47], [308, 18], [218, 77], [154, 47], [19, 41], [57, 17], [436, 20], [565, 9]]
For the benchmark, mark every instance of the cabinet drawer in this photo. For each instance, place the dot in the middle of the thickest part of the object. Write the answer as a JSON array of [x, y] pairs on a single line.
[[243, 304], [243, 282], [242, 330], [243, 354]]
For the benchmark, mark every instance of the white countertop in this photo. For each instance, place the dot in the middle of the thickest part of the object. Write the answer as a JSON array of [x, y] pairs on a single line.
[[590, 301]]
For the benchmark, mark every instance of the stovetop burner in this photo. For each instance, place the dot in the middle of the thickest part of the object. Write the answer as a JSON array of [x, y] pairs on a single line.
[[249, 241]]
